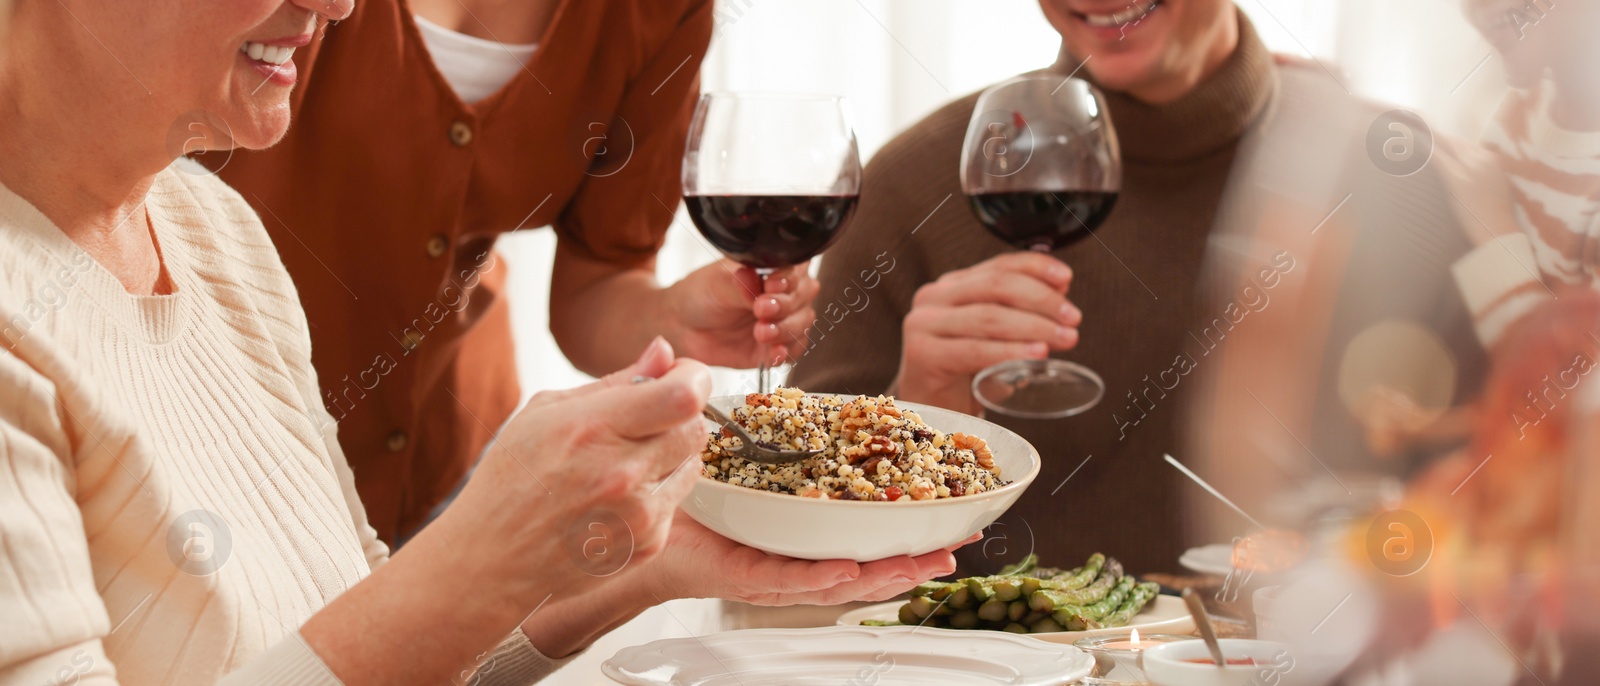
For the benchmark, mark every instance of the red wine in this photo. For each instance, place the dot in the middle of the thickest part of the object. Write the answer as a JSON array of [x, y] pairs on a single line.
[[1042, 219], [770, 231]]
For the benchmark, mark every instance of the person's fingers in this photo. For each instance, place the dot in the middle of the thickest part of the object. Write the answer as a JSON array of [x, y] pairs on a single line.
[[749, 282], [970, 355], [656, 359], [991, 322], [1040, 266], [785, 280], [789, 331], [974, 538], [723, 285], [1012, 289], [765, 332], [787, 581], [643, 410], [883, 579], [678, 483], [928, 566], [941, 562], [786, 576], [800, 292]]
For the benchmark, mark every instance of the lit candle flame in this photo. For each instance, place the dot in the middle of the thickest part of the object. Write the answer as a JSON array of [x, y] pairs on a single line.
[[1135, 639]]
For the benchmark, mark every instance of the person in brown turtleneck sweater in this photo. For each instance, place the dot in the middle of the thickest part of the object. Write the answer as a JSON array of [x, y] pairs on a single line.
[[917, 296]]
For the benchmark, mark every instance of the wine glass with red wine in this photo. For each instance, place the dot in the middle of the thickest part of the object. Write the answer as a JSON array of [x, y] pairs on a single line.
[[1041, 169], [771, 179]]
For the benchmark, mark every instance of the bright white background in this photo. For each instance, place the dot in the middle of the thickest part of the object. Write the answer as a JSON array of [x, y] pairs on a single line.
[[897, 60]]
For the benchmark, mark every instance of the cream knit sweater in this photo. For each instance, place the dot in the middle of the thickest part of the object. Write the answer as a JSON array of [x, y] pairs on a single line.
[[173, 499]]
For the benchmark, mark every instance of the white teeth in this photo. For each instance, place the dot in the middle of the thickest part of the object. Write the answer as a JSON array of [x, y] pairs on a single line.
[[1133, 13], [274, 55]]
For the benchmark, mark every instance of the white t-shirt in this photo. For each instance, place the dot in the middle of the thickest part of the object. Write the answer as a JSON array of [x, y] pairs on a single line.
[[474, 67]]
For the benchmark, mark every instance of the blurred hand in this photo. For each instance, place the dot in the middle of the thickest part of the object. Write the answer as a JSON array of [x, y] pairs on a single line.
[[698, 563], [581, 483], [1010, 307], [721, 315]]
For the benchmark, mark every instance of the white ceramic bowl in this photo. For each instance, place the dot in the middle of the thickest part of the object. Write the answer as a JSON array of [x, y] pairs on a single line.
[[817, 529], [1167, 665]]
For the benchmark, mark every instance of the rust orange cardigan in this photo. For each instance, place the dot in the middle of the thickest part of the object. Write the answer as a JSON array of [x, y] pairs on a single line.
[[387, 195]]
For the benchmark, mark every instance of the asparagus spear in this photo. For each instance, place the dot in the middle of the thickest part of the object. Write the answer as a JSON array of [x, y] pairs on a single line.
[[993, 610], [1045, 626], [1017, 610], [879, 622], [1049, 600], [959, 598], [1137, 599], [965, 619], [1079, 615], [1058, 574], [980, 588], [907, 616], [1007, 590], [1084, 575], [921, 606]]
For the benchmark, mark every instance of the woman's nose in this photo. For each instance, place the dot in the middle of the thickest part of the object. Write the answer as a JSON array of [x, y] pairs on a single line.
[[332, 10]]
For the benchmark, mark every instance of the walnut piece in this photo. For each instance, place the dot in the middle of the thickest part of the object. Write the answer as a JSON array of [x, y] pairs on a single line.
[[979, 448]]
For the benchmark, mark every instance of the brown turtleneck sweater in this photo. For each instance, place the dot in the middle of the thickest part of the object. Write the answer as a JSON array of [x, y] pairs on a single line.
[[1134, 286], [1339, 247]]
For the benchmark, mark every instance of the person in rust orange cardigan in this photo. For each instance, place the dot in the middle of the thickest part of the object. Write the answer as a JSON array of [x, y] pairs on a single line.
[[430, 127]]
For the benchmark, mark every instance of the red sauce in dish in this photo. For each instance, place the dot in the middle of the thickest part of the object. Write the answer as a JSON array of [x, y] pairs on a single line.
[[1232, 661]]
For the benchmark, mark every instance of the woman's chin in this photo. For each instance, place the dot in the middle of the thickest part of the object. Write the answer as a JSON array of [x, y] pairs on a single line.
[[260, 126]]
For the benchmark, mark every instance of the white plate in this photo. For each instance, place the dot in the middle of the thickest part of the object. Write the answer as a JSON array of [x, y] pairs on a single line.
[[883, 656], [1165, 615], [1216, 558]]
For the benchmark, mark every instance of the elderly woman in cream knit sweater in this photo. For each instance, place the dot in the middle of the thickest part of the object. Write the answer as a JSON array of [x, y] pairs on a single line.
[[174, 506]]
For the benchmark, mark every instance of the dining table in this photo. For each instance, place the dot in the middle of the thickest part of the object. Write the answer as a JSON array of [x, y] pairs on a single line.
[[700, 616]]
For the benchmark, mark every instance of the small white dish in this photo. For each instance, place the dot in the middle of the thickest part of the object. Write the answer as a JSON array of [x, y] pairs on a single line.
[[885, 656], [1169, 665], [1216, 558], [1164, 615], [817, 529]]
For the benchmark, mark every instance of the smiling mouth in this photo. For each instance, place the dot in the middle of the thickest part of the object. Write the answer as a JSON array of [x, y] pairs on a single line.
[[274, 55], [1135, 12]]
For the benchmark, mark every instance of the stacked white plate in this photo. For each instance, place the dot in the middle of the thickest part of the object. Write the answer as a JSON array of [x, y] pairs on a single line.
[[864, 656]]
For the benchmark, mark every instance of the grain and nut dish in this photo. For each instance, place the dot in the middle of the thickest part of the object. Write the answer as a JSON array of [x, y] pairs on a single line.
[[872, 450]]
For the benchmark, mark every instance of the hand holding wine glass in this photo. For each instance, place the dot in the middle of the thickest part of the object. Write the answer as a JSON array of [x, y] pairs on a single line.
[[724, 314], [1009, 307], [770, 180], [1041, 169]]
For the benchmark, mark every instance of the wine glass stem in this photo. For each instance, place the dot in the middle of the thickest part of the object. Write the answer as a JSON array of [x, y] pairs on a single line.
[[764, 371]]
